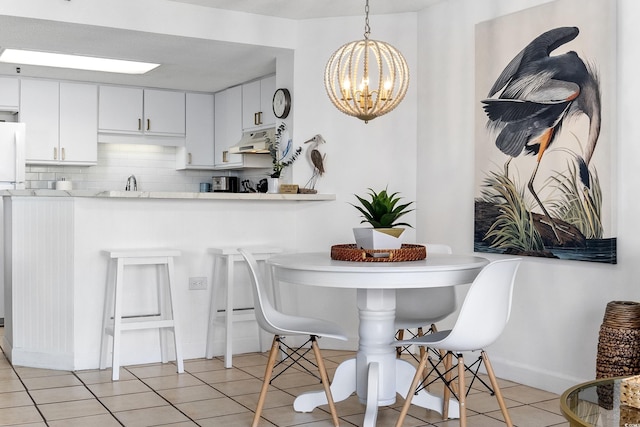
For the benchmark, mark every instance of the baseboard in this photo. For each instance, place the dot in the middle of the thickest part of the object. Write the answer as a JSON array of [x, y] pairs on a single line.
[[533, 376]]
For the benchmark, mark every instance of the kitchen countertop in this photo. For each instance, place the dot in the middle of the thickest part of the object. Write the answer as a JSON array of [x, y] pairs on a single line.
[[164, 195]]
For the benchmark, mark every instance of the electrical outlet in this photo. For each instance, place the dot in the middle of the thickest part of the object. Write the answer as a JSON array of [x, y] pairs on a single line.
[[198, 283]]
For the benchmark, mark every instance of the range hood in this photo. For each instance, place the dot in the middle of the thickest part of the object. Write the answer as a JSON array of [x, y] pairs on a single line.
[[256, 141]]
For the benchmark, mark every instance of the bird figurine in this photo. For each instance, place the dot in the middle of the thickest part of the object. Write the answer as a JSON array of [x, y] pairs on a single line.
[[316, 159], [539, 93]]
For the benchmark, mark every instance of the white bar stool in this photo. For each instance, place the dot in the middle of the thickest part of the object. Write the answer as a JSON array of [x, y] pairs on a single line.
[[114, 322], [229, 256]]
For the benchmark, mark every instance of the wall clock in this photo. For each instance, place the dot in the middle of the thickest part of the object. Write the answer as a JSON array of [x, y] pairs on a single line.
[[281, 103]]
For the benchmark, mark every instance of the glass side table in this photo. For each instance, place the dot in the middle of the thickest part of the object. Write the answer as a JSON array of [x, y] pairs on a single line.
[[597, 403]]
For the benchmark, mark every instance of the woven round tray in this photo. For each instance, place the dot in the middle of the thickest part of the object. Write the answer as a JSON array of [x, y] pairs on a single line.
[[350, 252]]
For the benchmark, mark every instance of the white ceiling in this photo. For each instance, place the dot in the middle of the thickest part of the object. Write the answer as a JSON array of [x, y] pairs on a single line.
[[306, 9], [187, 63]]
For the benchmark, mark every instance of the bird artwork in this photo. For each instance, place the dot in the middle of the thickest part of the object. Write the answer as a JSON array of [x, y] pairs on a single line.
[[536, 95], [316, 159]]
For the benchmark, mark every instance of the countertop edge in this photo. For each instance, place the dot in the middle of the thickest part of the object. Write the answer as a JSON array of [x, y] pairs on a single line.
[[166, 195]]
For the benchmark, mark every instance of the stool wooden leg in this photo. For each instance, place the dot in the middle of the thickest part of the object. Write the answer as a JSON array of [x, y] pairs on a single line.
[[176, 335], [228, 316], [162, 290], [117, 321], [106, 316], [213, 307]]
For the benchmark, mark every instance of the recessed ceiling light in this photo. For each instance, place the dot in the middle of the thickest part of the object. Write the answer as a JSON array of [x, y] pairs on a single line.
[[60, 60]]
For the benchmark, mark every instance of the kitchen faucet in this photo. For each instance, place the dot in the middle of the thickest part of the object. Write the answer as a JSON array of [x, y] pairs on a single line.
[[135, 183]]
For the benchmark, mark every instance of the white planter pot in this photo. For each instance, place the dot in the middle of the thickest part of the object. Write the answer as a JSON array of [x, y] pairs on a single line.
[[273, 185], [378, 238]]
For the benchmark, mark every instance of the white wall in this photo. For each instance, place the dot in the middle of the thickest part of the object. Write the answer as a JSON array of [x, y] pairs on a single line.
[[551, 340]]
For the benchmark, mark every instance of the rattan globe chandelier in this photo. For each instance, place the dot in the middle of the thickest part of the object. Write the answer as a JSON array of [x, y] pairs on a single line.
[[366, 78]]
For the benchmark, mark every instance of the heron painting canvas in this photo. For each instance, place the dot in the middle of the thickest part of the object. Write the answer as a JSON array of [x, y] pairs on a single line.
[[545, 132]]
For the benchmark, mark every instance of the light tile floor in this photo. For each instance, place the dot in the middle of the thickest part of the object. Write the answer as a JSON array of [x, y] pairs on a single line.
[[207, 395]]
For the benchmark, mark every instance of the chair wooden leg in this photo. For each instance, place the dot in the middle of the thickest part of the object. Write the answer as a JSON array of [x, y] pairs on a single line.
[[423, 349], [325, 381], [267, 378], [400, 336], [447, 376], [462, 395], [496, 389], [412, 389]]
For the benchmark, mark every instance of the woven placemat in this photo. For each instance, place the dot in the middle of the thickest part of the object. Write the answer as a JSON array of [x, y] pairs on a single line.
[[350, 252]]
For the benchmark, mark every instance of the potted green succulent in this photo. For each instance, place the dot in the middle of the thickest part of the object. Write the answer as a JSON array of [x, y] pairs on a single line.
[[382, 212]]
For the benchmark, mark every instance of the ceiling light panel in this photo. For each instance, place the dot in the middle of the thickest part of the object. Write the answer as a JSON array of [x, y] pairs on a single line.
[[78, 62]]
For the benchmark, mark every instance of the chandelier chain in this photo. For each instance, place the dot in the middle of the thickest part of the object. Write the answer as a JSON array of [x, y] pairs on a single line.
[[367, 28]]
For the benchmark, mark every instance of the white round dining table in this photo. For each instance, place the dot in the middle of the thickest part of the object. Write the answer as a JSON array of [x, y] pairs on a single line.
[[375, 374]]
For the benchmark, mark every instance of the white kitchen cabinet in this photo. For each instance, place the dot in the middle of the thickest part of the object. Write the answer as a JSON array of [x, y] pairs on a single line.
[[257, 97], [164, 112], [120, 109], [198, 152], [228, 126], [228, 131], [131, 110], [61, 121], [9, 94]]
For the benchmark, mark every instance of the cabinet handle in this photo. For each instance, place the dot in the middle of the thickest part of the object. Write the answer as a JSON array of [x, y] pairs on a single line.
[[139, 124], [62, 153], [225, 156], [189, 161], [148, 124], [256, 118], [55, 153]]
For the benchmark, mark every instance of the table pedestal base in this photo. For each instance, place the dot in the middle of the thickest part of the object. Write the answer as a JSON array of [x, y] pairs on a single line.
[[344, 385]]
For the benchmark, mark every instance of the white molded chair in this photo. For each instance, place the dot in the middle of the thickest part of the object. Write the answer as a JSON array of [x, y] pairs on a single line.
[[483, 317], [282, 325], [419, 308]]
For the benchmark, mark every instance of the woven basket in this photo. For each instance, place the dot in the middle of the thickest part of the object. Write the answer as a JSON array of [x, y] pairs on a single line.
[[350, 252], [618, 346]]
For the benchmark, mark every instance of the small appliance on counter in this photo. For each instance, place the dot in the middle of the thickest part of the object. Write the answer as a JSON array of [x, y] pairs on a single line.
[[63, 185], [224, 184]]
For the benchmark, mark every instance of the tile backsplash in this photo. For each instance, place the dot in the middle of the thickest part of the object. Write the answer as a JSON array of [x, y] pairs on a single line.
[[153, 166]]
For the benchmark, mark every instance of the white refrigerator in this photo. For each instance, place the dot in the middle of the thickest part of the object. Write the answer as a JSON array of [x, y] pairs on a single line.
[[12, 162], [12, 176]]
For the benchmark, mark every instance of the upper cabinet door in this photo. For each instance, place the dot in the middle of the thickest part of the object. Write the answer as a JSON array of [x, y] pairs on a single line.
[[228, 126], [39, 109], [9, 94], [267, 89], [257, 97], [79, 122], [199, 138], [164, 112], [120, 109]]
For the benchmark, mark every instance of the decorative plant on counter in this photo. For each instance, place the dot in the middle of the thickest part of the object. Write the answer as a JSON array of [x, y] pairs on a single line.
[[279, 162], [383, 213]]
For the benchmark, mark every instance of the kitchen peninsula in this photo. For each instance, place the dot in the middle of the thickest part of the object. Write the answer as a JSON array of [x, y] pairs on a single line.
[[55, 270]]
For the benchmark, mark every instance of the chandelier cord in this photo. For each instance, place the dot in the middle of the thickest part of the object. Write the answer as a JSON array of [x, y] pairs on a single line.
[[367, 28]]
